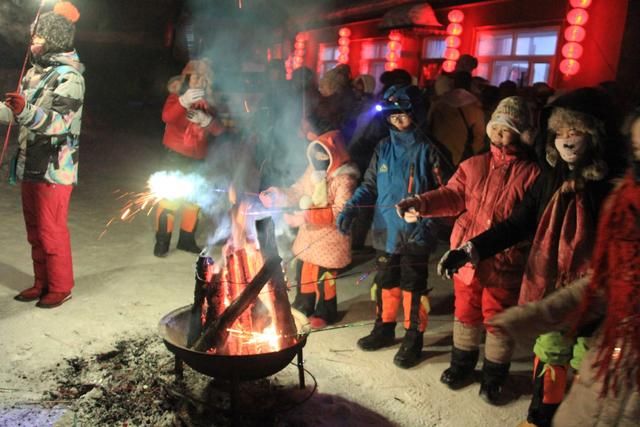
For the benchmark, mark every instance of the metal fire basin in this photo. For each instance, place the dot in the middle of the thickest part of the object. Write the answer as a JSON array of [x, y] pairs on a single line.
[[173, 329]]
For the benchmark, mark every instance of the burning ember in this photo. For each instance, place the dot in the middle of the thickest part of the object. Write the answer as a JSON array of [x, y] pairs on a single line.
[[232, 314]]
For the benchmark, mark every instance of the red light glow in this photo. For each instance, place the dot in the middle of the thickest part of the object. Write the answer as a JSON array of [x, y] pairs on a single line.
[[574, 33], [451, 54], [344, 32], [581, 3], [454, 29], [449, 66], [452, 41], [577, 16], [456, 16], [569, 67], [395, 36], [572, 50]]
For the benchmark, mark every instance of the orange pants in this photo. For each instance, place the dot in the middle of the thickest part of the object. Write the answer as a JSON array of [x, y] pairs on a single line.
[[316, 295], [166, 212]]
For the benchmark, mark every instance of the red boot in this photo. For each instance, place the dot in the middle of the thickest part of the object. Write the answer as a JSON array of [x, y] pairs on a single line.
[[30, 294], [53, 299]]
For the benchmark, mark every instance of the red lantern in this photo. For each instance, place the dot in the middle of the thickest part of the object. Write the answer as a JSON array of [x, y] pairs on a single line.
[[452, 41], [343, 41], [577, 16], [392, 56], [395, 36], [343, 50], [298, 52], [574, 33], [300, 37], [454, 29], [299, 45], [343, 59], [572, 50], [344, 32], [569, 67], [449, 66], [297, 61], [581, 3], [393, 45], [456, 16], [451, 53], [390, 66]]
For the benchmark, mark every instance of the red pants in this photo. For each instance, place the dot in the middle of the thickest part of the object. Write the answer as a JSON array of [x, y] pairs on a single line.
[[45, 207], [475, 304]]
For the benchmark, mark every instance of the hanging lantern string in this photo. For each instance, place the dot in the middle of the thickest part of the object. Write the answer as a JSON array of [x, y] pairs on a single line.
[[22, 71]]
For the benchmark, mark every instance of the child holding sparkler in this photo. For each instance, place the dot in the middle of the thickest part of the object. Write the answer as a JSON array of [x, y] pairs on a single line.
[[189, 116], [320, 194], [484, 189], [405, 163], [48, 109]]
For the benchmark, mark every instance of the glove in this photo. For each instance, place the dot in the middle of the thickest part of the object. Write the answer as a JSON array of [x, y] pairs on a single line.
[[15, 102], [199, 117], [452, 260], [410, 204], [345, 219], [190, 97]]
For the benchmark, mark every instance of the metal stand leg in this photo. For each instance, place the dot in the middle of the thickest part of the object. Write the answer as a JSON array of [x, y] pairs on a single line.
[[178, 369], [300, 365]]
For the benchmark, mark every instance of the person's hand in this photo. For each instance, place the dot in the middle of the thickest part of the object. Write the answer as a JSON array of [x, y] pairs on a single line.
[[451, 262], [190, 97], [411, 216], [15, 102], [345, 219], [294, 220], [410, 204], [199, 117], [269, 197]]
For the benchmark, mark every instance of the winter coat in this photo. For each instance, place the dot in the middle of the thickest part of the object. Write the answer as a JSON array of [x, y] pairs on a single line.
[[319, 241], [183, 136], [403, 164], [447, 126], [51, 120], [583, 406], [483, 191]]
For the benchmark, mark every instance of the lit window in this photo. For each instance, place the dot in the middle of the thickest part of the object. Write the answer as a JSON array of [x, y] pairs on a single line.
[[524, 56], [328, 58], [433, 48], [373, 57]]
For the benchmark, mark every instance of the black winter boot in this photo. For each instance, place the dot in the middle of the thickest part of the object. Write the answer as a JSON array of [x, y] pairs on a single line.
[[382, 335], [494, 376], [462, 366], [161, 248], [187, 242], [409, 353]]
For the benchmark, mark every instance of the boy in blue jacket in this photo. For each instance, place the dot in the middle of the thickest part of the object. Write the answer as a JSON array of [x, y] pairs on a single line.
[[404, 164]]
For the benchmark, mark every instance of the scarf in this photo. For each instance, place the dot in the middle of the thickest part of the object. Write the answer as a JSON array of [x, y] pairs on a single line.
[[562, 246], [616, 277]]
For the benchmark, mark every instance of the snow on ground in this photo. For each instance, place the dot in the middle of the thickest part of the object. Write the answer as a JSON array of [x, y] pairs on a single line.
[[122, 291]]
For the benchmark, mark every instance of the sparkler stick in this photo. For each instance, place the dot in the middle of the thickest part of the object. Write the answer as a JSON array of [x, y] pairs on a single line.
[[22, 71]]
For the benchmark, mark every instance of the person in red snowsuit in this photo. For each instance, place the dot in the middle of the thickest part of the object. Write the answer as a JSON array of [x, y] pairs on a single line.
[[190, 119]]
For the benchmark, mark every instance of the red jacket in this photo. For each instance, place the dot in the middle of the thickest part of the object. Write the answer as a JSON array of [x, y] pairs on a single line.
[[483, 191], [183, 136]]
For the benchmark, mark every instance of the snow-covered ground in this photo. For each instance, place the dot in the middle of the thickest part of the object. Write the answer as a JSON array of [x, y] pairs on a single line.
[[122, 291]]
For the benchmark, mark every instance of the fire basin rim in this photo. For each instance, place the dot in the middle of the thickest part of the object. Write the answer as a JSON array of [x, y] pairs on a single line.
[[229, 367]]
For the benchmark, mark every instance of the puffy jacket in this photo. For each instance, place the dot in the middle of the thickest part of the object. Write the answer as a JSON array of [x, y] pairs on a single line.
[[50, 122], [483, 191], [183, 136], [403, 164], [319, 241]]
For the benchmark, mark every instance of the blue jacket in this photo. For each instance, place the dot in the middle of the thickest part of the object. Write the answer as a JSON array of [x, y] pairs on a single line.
[[387, 181]]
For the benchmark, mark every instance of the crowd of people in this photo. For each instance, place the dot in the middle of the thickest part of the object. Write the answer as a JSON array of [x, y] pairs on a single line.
[[537, 192]]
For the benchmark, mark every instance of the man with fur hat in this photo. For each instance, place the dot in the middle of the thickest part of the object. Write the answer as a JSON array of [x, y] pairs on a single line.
[[559, 212], [484, 190], [49, 111], [404, 163], [190, 118]]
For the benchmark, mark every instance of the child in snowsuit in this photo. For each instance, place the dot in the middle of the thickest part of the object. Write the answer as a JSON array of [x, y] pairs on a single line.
[[404, 163], [49, 112], [559, 212], [320, 194], [484, 190], [189, 117]]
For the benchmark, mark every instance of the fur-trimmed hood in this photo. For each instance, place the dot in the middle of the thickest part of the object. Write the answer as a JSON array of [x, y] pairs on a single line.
[[339, 160], [586, 110]]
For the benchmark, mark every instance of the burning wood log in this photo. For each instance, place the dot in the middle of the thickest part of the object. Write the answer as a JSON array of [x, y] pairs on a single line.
[[285, 324], [216, 334]]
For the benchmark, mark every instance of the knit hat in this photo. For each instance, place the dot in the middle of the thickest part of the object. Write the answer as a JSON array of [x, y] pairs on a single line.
[[512, 112], [368, 82], [58, 27], [334, 80]]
